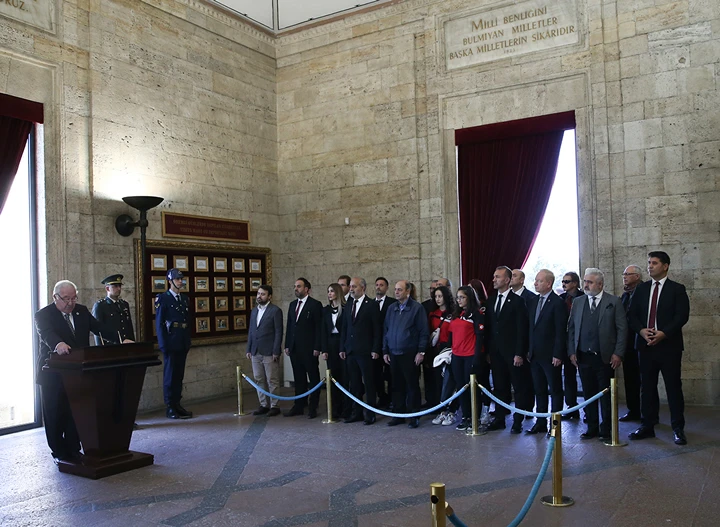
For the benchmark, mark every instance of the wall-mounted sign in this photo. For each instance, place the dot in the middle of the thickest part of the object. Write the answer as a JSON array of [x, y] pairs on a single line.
[[512, 30], [38, 13], [202, 228]]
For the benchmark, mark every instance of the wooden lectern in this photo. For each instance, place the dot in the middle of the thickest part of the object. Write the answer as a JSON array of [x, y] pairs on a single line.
[[103, 385]]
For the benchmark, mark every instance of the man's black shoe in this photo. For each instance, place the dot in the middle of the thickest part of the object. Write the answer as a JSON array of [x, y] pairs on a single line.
[[172, 413], [273, 411], [516, 427], [295, 410], [261, 411], [496, 424], [353, 419], [396, 421], [312, 413], [644, 432], [574, 415], [590, 434], [184, 414], [413, 422], [679, 437], [630, 416], [370, 420], [537, 428]]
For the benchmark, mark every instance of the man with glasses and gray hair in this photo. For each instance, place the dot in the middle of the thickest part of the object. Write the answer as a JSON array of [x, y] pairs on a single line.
[[632, 276], [596, 335], [62, 326]]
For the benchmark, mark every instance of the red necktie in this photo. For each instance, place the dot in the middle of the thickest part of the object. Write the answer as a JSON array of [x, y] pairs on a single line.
[[653, 306], [297, 310], [354, 309]]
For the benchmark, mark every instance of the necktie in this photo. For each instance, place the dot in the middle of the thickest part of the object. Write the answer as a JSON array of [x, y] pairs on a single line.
[[653, 307], [354, 311], [69, 322], [539, 308], [297, 310], [498, 305], [593, 305]]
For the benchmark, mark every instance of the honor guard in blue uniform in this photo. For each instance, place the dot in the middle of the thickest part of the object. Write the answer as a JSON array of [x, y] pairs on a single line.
[[114, 313], [172, 324]]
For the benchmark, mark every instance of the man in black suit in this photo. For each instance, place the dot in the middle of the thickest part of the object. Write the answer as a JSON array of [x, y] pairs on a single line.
[[517, 284], [571, 286], [360, 342], [62, 326], [632, 277], [303, 344], [506, 332], [547, 346], [263, 348], [597, 329], [659, 310], [382, 370]]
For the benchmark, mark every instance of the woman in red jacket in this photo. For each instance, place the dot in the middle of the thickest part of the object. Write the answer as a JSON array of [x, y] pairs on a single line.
[[466, 340], [439, 321]]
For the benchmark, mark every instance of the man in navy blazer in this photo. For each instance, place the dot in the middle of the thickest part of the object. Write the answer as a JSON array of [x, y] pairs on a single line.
[[62, 326], [597, 330], [517, 284], [382, 370], [547, 337], [264, 348], [303, 345], [506, 331], [360, 343], [659, 310]]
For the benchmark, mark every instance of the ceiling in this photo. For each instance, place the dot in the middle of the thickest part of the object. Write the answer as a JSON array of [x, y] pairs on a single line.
[[281, 15]]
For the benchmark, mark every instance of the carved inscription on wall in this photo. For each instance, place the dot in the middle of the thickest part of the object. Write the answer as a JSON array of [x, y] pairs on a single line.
[[511, 30], [38, 13]]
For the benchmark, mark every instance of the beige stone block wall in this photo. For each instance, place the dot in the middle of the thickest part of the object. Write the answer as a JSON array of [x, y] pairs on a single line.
[[147, 98], [366, 112]]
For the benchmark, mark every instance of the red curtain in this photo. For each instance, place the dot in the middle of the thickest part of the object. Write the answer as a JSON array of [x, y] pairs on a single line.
[[16, 121], [504, 185]]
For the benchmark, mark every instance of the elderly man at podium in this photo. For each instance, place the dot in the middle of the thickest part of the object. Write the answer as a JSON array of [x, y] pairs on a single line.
[[62, 325]]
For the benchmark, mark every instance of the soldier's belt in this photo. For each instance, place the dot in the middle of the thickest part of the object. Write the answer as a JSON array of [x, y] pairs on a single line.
[[179, 325]]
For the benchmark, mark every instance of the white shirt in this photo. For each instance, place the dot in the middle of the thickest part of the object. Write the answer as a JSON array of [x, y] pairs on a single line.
[[597, 299], [652, 289], [260, 313], [381, 302], [519, 292], [502, 300], [358, 305], [299, 307]]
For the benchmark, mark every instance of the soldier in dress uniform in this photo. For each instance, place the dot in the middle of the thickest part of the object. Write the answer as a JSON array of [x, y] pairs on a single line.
[[113, 312], [172, 324]]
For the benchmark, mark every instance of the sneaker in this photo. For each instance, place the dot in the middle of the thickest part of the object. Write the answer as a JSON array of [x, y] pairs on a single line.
[[449, 419], [463, 425], [439, 419]]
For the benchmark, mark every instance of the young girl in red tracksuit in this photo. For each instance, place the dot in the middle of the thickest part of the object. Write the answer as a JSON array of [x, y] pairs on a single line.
[[466, 340]]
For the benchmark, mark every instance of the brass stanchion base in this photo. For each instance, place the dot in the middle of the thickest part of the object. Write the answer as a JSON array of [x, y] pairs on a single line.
[[482, 430], [610, 443], [236, 414], [330, 421], [550, 501]]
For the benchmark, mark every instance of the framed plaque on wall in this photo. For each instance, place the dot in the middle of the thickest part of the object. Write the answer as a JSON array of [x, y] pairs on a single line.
[[217, 280]]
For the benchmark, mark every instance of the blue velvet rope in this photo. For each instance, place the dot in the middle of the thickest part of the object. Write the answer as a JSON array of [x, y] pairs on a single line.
[[401, 416], [546, 414], [457, 522], [536, 487], [280, 397]]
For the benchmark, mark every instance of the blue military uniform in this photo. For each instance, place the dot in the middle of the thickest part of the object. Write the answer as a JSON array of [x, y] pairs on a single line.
[[172, 324], [115, 314]]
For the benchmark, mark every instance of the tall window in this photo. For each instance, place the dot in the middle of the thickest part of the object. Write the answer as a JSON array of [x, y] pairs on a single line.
[[557, 244], [18, 268]]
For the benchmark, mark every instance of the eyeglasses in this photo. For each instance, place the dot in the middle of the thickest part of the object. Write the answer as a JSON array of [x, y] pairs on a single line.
[[629, 274], [68, 300], [567, 282]]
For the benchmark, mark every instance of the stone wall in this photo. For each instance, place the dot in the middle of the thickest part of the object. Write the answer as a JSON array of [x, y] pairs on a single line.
[[367, 110], [147, 98]]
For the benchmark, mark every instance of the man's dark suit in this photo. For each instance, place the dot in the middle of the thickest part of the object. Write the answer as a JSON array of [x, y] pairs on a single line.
[[631, 364], [381, 369], [527, 295], [359, 337], [595, 369], [62, 436], [673, 311], [547, 338], [302, 338], [570, 376], [507, 333]]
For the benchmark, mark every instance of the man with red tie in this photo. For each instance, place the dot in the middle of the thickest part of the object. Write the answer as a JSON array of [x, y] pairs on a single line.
[[659, 310]]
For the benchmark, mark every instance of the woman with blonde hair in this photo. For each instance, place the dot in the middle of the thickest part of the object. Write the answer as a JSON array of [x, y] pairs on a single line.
[[330, 344]]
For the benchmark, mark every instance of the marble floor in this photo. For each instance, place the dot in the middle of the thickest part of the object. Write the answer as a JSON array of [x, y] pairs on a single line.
[[220, 470]]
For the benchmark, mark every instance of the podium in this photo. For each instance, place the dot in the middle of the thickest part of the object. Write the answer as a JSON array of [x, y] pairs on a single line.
[[103, 385]]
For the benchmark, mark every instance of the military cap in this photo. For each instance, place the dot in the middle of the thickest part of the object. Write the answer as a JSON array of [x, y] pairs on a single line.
[[175, 273], [113, 279]]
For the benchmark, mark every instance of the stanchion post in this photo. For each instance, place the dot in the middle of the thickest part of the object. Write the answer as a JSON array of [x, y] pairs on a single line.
[[473, 431], [557, 499], [437, 499], [328, 386], [240, 411], [615, 434]]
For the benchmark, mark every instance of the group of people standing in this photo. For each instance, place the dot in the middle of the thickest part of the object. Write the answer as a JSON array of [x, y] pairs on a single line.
[[380, 346]]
